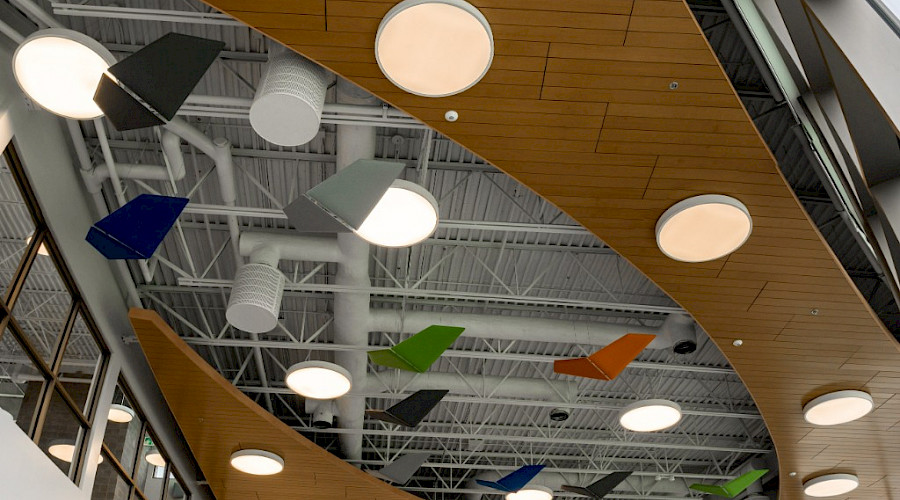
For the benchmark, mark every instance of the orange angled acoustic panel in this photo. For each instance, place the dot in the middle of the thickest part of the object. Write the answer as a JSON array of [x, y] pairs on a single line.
[[607, 363]]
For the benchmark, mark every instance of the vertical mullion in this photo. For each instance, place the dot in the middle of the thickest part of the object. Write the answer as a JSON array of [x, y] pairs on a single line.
[[18, 279]]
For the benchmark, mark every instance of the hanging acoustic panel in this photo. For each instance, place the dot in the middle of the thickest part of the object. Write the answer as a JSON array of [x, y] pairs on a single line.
[[601, 488], [411, 410], [417, 353], [515, 480], [734, 487], [135, 230], [401, 470], [607, 363]]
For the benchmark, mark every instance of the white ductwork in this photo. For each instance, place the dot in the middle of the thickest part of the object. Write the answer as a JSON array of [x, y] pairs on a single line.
[[269, 248], [555, 480], [675, 328], [562, 391], [171, 147]]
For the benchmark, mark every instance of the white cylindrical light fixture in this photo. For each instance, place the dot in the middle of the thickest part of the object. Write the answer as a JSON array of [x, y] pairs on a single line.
[[257, 462], [838, 407], [60, 69], [318, 380], [830, 485], [650, 415], [531, 492], [434, 48], [703, 228], [255, 298], [407, 214], [287, 109], [120, 414]]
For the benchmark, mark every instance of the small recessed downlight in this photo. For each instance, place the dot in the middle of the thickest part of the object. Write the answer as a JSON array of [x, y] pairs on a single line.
[[838, 407], [703, 228], [830, 485], [535, 492], [257, 462], [650, 415], [318, 380]]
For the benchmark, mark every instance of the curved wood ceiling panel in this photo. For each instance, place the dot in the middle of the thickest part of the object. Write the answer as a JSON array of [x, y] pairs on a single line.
[[577, 106]]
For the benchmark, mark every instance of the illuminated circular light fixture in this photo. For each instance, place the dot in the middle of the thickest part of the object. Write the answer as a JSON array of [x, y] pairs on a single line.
[[318, 380], [703, 228], [407, 214], [155, 458], [650, 415], [257, 462], [838, 407], [42, 250], [60, 69], [830, 485], [536, 492], [65, 451], [434, 48], [120, 414]]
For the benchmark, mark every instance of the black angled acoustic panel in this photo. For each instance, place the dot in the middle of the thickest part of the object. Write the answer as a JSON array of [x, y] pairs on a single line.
[[129, 114], [601, 488], [411, 410], [162, 75]]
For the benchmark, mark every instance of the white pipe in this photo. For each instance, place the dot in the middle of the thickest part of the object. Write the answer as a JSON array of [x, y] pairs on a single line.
[[11, 33], [562, 391], [269, 248], [555, 480]]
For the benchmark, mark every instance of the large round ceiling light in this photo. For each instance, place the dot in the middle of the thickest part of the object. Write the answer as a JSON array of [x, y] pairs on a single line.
[[703, 228], [257, 462], [120, 414], [434, 48], [838, 407], [60, 69], [407, 214], [830, 485], [650, 415], [531, 493], [318, 380]]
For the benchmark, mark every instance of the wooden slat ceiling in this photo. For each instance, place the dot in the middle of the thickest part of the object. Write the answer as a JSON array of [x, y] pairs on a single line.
[[577, 106]]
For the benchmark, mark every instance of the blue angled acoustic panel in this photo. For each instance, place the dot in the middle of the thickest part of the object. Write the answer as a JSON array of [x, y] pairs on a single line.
[[136, 229], [515, 480]]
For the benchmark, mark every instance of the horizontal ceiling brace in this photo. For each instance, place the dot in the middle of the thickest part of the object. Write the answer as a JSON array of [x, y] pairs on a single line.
[[453, 353], [536, 439], [172, 16], [450, 295]]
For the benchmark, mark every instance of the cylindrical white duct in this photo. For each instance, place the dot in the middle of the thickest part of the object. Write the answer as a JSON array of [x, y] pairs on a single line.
[[476, 385], [676, 327], [287, 109], [269, 248], [255, 298]]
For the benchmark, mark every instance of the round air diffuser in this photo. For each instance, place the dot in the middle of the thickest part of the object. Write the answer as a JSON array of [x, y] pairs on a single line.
[[288, 105], [255, 298]]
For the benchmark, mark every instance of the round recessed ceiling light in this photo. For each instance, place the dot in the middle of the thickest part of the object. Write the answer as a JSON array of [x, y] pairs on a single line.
[[120, 414], [703, 228], [65, 451], [830, 485], [60, 69], [434, 48], [257, 462], [318, 380], [838, 407], [407, 214], [155, 458], [650, 415], [536, 492]]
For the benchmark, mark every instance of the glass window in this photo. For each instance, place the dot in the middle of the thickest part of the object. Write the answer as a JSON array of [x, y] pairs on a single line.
[[150, 469], [61, 434], [80, 364], [108, 484], [21, 384], [42, 307], [174, 489], [16, 226], [123, 431]]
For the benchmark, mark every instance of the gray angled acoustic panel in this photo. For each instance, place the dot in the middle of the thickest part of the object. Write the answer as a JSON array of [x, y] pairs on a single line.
[[352, 193], [308, 217], [401, 470]]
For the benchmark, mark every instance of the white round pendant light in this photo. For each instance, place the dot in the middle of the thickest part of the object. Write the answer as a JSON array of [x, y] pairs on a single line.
[[407, 214], [650, 415], [65, 451], [120, 414], [703, 228], [257, 462], [318, 380], [155, 458], [60, 69], [838, 407], [830, 485], [536, 492], [434, 48]]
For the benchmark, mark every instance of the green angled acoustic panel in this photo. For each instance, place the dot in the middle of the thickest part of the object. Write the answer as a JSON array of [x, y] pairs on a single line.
[[419, 352], [734, 487]]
